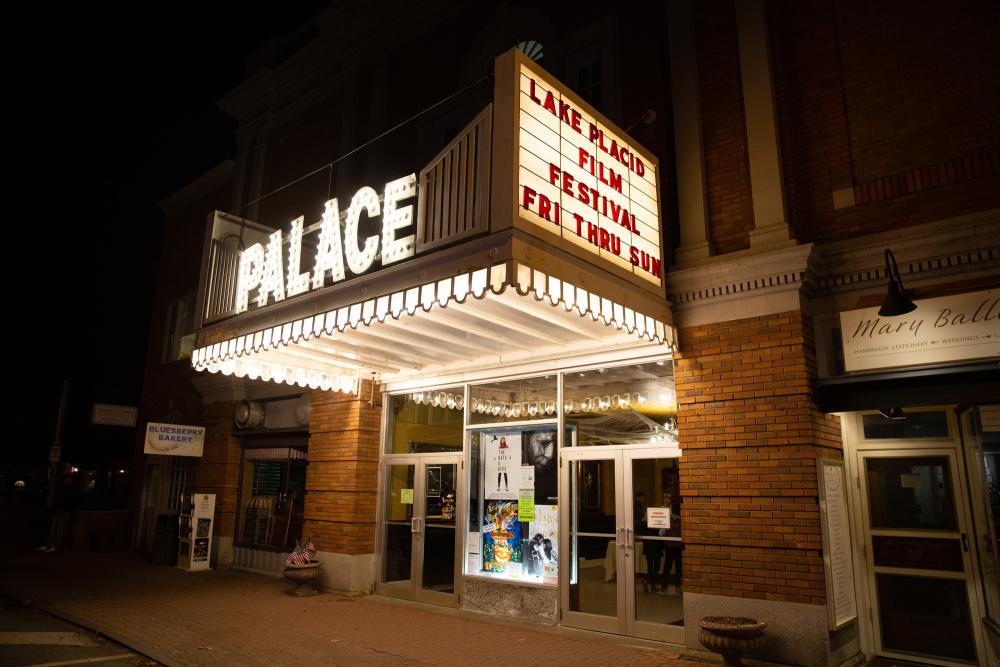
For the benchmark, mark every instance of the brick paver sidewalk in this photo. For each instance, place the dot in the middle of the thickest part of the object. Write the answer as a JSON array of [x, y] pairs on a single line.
[[227, 617]]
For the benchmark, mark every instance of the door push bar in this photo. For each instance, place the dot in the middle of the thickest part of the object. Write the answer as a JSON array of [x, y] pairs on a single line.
[[623, 538]]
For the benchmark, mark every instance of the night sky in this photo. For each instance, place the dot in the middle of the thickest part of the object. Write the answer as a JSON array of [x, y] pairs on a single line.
[[116, 110]]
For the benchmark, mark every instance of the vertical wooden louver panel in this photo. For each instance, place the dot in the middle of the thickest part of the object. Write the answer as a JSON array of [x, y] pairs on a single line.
[[455, 187], [223, 268]]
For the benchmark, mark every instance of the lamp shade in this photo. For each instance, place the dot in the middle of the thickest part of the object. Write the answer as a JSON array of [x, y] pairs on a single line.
[[895, 302]]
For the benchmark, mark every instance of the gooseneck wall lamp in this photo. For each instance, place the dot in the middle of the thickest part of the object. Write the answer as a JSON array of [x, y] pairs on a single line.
[[895, 302]]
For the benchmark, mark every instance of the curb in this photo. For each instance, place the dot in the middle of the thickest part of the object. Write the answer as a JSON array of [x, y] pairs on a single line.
[[87, 625]]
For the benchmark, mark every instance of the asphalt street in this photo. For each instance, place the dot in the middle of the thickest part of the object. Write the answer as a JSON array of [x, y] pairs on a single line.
[[31, 637]]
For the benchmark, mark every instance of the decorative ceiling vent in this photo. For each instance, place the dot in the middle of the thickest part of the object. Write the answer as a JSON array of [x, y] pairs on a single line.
[[532, 49]]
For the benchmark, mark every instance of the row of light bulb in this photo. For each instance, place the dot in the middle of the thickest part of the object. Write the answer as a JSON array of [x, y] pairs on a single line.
[[529, 408], [439, 399], [280, 373]]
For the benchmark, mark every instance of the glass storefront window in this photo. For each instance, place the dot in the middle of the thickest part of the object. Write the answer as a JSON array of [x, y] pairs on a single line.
[[982, 452], [426, 421], [624, 405], [529, 399], [273, 490], [925, 424], [513, 526]]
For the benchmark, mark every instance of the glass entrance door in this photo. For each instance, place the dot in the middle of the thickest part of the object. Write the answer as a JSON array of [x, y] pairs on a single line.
[[625, 571], [419, 549], [917, 550]]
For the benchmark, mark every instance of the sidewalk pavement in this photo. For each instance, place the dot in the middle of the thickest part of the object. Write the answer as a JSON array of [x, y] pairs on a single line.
[[228, 617]]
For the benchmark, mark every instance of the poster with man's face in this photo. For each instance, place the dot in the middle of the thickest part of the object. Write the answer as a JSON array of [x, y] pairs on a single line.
[[503, 466], [540, 452]]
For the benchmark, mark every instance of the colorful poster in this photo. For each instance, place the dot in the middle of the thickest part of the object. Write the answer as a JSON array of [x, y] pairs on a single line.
[[542, 543], [501, 538], [503, 466]]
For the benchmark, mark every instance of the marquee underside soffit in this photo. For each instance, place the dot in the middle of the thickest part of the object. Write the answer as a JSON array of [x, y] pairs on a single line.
[[508, 313]]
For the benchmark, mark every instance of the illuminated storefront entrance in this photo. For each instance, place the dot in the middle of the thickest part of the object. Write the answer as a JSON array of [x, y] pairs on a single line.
[[509, 320], [473, 481], [624, 571]]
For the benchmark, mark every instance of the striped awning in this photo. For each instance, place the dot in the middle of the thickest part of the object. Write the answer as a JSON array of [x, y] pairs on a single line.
[[273, 454], [491, 316]]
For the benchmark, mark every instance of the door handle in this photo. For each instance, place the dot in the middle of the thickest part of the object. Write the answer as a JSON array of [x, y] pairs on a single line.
[[414, 525], [619, 541], [965, 542], [629, 539]]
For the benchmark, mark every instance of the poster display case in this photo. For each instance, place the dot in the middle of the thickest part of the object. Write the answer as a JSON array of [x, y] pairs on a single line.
[[194, 544], [513, 518]]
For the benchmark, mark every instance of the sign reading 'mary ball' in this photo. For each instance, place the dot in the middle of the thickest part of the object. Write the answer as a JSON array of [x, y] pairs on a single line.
[[581, 180], [947, 329]]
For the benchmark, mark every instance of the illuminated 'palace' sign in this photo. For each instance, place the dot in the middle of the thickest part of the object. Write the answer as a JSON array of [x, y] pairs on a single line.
[[263, 269], [582, 181]]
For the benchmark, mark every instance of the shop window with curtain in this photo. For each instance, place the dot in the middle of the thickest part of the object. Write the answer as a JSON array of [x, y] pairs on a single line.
[[272, 496]]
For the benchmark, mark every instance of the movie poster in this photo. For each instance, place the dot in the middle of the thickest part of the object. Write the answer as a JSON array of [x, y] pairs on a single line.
[[503, 466], [502, 549], [542, 542], [540, 453]]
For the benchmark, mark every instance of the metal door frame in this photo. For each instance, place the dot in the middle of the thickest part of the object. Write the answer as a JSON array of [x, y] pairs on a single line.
[[412, 588], [624, 623], [962, 533]]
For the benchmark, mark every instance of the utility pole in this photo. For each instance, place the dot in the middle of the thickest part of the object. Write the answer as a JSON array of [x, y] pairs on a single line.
[[54, 465]]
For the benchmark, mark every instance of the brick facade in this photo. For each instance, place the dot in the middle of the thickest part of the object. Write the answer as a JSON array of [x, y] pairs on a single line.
[[892, 101], [750, 435], [729, 204], [342, 477], [218, 470]]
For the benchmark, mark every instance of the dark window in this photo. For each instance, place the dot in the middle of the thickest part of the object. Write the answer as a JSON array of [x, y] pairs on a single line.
[[589, 83]]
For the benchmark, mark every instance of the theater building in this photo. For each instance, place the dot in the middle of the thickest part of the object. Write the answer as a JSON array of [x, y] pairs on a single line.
[[596, 341]]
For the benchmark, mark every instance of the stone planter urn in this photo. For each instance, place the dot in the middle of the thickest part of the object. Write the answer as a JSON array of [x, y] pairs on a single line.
[[304, 576], [732, 637]]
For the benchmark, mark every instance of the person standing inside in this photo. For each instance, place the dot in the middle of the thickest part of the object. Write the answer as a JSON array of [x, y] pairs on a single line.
[[673, 551], [652, 550]]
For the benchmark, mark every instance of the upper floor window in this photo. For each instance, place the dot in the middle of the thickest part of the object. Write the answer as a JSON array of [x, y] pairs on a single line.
[[179, 337], [588, 82]]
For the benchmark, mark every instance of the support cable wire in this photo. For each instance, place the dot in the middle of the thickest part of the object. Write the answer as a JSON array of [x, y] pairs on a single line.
[[365, 145]]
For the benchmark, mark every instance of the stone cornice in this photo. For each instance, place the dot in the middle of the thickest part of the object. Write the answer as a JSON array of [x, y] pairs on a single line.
[[749, 284], [734, 277], [965, 246]]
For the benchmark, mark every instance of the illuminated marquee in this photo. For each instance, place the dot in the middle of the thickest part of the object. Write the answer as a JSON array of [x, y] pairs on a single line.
[[580, 180], [262, 269]]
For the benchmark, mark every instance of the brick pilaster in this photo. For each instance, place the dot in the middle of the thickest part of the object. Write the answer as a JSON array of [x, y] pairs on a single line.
[[751, 433], [218, 470], [342, 478]]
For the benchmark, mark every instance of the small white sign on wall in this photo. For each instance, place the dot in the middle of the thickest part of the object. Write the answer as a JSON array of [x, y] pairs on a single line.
[[174, 439], [658, 517]]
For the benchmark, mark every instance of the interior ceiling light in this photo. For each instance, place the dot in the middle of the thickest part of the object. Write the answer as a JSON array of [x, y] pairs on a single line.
[[894, 414], [896, 302]]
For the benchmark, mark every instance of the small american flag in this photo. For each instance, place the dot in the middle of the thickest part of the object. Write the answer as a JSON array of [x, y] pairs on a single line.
[[302, 554]]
